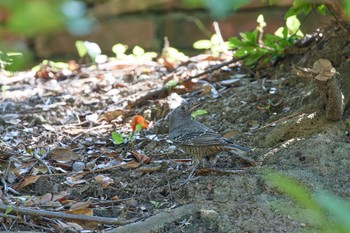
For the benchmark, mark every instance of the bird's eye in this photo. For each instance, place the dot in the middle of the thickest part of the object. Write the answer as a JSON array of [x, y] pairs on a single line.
[[182, 108]]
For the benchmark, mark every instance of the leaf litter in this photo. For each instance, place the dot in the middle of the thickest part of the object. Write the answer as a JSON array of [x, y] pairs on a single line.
[[91, 140]]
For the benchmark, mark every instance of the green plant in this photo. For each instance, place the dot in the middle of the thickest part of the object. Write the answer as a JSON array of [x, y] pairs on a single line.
[[323, 211], [7, 59], [137, 53], [214, 45], [26, 19], [302, 6], [91, 49], [198, 112], [119, 138], [254, 45]]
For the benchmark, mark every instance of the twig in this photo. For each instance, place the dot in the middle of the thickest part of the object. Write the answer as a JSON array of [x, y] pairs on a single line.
[[216, 67], [162, 92], [9, 216], [86, 172], [221, 40], [37, 157], [76, 217]]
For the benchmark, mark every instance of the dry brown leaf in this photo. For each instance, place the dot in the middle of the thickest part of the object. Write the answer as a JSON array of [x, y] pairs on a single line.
[[81, 205], [104, 181], [46, 198], [88, 212], [25, 182], [111, 115], [141, 158], [132, 164], [84, 224], [63, 155]]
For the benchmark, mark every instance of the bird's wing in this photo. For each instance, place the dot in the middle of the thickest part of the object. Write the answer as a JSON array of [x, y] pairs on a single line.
[[198, 138], [205, 137]]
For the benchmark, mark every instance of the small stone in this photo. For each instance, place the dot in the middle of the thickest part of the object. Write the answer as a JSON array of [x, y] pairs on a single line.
[[171, 148], [78, 166]]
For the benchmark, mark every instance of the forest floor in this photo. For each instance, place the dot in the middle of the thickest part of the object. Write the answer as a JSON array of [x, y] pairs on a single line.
[[57, 153]]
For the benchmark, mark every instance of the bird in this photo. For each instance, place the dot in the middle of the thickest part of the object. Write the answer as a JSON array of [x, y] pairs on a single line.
[[198, 140]]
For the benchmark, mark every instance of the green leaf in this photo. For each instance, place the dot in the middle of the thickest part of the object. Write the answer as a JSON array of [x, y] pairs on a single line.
[[117, 138], [119, 49], [234, 42], [249, 37], [202, 44], [198, 113], [82, 50], [138, 127], [241, 52], [215, 39], [322, 9], [300, 194], [298, 8], [171, 84], [138, 51], [9, 210], [293, 24], [336, 207]]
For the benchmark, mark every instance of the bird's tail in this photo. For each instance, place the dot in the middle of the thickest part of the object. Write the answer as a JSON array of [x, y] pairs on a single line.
[[241, 148], [241, 152]]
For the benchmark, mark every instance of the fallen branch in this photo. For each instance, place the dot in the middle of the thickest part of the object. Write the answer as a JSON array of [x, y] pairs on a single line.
[[157, 222], [59, 215], [163, 92]]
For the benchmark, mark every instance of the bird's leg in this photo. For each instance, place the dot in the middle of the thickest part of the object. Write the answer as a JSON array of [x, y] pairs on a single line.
[[212, 160], [191, 176]]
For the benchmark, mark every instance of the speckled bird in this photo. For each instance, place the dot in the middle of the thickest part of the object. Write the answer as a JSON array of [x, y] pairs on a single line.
[[198, 140]]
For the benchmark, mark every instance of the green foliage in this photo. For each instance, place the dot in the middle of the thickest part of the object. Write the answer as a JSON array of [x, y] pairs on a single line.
[[137, 53], [6, 59], [348, 123], [32, 17], [214, 45], [346, 5], [91, 49], [225, 7], [302, 6], [255, 46], [198, 112], [323, 211], [117, 138], [9, 210], [27, 19], [171, 84]]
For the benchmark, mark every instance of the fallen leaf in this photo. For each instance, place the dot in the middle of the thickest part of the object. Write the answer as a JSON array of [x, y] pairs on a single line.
[[132, 164], [104, 181], [111, 115], [141, 158], [88, 212], [25, 182], [81, 205], [63, 155]]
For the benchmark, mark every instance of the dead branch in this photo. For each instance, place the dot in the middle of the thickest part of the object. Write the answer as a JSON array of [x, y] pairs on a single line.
[[162, 92], [76, 217]]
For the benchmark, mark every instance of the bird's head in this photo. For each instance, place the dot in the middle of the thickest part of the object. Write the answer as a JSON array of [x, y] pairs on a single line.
[[180, 115]]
